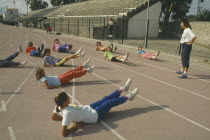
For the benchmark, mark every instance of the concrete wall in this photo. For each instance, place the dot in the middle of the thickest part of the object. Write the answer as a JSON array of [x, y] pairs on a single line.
[[137, 24], [201, 30], [11, 13]]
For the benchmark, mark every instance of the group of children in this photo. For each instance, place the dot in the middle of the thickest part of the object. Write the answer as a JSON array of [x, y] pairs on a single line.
[[109, 55], [68, 113]]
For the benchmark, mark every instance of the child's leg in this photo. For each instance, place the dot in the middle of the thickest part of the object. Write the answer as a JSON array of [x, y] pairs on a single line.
[[61, 62], [115, 94], [106, 106], [11, 57], [71, 57], [62, 49], [80, 68], [65, 78], [147, 55], [8, 63]]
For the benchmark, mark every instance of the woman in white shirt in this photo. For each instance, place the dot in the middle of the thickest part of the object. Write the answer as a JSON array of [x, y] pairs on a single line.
[[188, 37]]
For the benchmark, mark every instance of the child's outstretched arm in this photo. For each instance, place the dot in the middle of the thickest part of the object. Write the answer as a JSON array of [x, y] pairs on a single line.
[[56, 117], [73, 126]]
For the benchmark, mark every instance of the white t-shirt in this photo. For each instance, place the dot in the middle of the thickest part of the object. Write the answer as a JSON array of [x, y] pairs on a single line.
[[51, 80], [187, 36], [78, 113], [111, 22]]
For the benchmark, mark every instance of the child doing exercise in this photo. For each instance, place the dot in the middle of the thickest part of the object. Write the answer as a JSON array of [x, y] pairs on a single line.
[[108, 55], [145, 55], [52, 61], [56, 81], [73, 114]]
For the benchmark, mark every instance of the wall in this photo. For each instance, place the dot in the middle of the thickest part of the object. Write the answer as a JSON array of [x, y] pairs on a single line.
[[201, 30], [11, 14], [137, 24]]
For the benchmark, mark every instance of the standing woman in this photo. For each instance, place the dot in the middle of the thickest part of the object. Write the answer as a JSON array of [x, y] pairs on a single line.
[[188, 37]]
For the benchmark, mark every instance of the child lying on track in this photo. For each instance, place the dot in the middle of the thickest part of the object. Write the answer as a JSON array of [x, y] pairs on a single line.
[[74, 114], [8, 61], [56, 81], [52, 61]]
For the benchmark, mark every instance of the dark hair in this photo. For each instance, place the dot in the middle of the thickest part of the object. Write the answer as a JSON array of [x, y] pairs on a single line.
[[60, 99], [109, 48], [38, 73], [98, 43], [46, 51], [56, 40], [186, 23], [30, 44]]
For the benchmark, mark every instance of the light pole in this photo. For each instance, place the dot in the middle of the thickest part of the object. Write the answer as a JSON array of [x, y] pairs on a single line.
[[147, 26], [27, 6], [14, 3]]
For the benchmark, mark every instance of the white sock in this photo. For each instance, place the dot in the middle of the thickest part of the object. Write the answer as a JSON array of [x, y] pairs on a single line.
[[129, 96], [185, 73], [123, 88], [182, 70]]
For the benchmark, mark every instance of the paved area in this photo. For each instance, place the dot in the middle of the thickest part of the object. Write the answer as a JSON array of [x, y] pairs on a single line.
[[167, 108]]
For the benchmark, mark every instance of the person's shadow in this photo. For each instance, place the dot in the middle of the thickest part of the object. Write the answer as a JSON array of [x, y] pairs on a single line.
[[112, 117]]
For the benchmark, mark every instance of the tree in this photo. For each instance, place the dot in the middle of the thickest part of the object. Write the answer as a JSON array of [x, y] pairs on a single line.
[[36, 4], [63, 2], [178, 8]]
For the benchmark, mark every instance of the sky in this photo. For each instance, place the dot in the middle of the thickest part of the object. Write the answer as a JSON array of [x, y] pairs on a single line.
[[20, 4]]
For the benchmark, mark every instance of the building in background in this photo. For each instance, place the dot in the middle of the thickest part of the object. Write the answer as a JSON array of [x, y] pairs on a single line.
[[10, 14], [197, 6]]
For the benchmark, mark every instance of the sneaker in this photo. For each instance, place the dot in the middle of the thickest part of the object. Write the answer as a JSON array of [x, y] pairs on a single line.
[[133, 94], [90, 70], [23, 63], [127, 84], [158, 52], [20, 50], [86, 63], [179, 72], [183, 76], [79, 51], [82, 54], [125, 57]]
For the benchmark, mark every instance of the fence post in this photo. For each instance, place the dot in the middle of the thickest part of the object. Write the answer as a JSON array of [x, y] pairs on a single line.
[[61, 25], [40, 24], [54, 25], [77, 27], [68, 26], [89, 27], [104, 29], [123, 30]]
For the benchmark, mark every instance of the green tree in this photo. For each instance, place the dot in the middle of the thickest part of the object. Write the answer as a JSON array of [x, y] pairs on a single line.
[[178, 8], [63, 2], [37, 4]]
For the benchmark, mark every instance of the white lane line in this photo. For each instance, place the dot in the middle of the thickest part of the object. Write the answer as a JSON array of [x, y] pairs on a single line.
[[7, 42], [4, 108], [166, 83], [164, 108], [17, 90], [153, 65], [102, 122], [168, 70], [11, 133], [191, 92], [73, 86], [91, 41]]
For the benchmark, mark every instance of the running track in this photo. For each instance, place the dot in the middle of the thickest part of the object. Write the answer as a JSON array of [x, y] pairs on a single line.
[[167, 108]]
